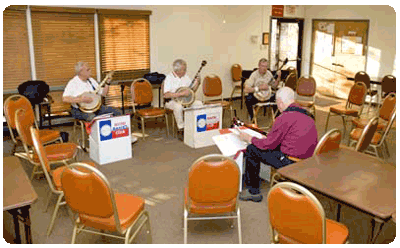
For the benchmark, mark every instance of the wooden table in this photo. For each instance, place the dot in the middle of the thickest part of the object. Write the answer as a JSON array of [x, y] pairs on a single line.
[[18, 196], [355, 179]]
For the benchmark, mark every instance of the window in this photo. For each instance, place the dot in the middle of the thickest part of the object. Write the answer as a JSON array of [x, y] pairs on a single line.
[[124, 43], [16, 60], [63, 36]]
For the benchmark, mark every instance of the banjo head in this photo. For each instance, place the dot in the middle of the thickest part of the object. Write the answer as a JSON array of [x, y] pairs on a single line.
[[92, 106], [185, 100]]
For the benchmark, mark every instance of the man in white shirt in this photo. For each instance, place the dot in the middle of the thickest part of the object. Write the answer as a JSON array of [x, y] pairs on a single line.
[[174, 80], [81, 83], [260, 80]]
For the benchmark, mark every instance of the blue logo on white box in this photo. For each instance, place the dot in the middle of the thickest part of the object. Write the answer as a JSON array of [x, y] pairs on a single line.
[[105, 130], [201, 123]]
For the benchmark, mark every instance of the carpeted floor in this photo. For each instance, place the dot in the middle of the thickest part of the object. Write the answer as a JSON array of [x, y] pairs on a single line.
[[158, 172]]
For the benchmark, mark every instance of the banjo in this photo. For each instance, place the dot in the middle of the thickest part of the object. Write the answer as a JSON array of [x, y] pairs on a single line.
[[265, 95], [96, 98], [188, 100]]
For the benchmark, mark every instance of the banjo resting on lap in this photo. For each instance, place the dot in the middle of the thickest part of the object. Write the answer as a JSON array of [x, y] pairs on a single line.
[[188, 100], [96, 103], [265, 95]]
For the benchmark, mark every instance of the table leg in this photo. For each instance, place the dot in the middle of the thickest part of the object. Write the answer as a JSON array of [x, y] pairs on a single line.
[[339, 208], [372, 238], [22, 214]]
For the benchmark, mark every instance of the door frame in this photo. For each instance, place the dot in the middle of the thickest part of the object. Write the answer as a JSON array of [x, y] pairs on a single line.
[[335, 20], [300, 22]]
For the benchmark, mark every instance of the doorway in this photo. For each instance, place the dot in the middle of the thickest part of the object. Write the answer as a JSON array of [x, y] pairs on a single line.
[[339, 49], [286, 42]]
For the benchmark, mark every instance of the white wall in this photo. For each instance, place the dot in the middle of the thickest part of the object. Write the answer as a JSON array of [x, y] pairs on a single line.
[[197, 33], [381, 36]]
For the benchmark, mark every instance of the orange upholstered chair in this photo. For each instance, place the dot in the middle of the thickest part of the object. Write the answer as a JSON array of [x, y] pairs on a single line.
[[88, 193], [306, 88], [212, 93], [53, 177], [356, 98], [297, 217], [142, 95], [367, 134], [11, 105], [55, 153], [236, 72], [212, 191], [362, 76], [330, 141]]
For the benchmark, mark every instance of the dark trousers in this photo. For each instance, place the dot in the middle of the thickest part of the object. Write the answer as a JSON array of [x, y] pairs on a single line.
[[253, 157], [251, 100], [78, 114]]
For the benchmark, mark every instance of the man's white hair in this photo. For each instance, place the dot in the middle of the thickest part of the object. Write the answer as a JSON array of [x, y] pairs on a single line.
[[78, 66], [286, 95], [178, 64]]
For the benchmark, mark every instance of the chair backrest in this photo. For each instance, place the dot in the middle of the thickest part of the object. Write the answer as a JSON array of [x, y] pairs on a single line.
[[363, 77], [11, 105], [42, 156], [291, 81], [212, 86], [357, 94], [329, 142], [306, 86], [213, 178], [88, 192], [388, 84], [295, 213], [388, 126], [367, 134], [388, 106], [236, 71], [23, 125], [141, 92]]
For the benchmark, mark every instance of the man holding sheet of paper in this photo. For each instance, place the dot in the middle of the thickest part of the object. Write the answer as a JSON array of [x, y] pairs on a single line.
[[293, 134]]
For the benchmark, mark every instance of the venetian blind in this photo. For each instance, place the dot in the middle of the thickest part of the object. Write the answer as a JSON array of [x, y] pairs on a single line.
[[124, 48], [62, 37], [16, 60]]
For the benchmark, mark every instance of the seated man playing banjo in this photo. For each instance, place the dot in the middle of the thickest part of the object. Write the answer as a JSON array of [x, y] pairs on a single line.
[[259, 86], [84, 94], [175, 97]]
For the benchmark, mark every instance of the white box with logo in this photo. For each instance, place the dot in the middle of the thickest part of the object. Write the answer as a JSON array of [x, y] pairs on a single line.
[[201, 124], [110, 139]]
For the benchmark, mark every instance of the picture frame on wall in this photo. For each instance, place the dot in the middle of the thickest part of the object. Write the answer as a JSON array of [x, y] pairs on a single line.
[[265, 39]]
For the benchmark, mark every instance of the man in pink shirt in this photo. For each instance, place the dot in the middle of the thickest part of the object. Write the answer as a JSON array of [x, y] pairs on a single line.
[[293, 134]]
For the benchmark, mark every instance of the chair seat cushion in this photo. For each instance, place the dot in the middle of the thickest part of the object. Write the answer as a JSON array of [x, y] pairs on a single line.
[[209, 208], [342, 110], [223, 103], [361, 123], [336, 233], [355, 134], [58, 152], [152, 112], [46, 136], [129, 208], [305, 104]]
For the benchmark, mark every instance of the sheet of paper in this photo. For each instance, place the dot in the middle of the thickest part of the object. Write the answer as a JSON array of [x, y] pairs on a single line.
[[229, 143]]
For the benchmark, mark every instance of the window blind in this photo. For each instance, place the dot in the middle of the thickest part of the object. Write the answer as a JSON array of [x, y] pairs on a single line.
[[124, 43], [62, 37], [16, 60], [125, 49]]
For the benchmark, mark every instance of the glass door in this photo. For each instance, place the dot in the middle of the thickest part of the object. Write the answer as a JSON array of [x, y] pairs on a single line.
[[286, 42]]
